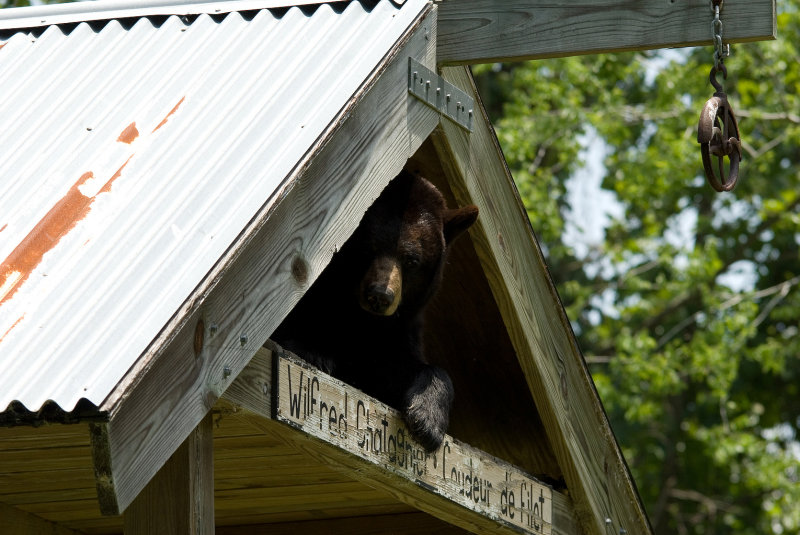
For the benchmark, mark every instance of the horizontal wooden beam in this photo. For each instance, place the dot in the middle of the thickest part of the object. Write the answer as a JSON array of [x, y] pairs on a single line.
[[345, 428], [484, 31]]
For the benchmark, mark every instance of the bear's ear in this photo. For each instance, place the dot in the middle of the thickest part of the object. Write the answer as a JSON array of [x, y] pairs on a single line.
[[458, 220]]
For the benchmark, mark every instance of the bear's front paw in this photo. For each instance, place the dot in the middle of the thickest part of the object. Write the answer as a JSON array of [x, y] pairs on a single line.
[[427, 407]]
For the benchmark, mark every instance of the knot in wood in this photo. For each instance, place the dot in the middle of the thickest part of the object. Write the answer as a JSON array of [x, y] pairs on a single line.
[[300, 270], [199, 337]]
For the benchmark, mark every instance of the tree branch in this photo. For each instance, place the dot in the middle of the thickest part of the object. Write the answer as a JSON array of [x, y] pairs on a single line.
[[712, 505], [782, 289]]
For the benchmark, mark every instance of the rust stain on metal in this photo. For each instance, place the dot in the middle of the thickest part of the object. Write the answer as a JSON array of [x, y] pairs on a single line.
[[107, 186], [2, 45], [173, 110], [3, 227], [11, 328], [129, 134], [72, 208], [61, 218]]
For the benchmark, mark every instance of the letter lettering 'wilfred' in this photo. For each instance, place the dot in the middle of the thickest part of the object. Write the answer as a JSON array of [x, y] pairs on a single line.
[[294, 397], [302, 401]]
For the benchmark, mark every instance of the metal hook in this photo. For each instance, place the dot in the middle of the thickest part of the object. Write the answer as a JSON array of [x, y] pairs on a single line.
[[713, 76]]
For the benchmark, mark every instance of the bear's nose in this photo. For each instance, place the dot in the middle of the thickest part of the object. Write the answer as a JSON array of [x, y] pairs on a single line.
[[379, 298]]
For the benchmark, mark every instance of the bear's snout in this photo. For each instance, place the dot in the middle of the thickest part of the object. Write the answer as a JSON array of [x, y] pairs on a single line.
[[382, 287], [379, 298]]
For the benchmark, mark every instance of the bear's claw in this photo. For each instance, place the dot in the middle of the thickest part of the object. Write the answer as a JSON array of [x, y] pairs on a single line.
[[427, 407]]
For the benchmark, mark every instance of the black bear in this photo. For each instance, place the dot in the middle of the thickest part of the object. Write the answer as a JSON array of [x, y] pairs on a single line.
[[362, 320]]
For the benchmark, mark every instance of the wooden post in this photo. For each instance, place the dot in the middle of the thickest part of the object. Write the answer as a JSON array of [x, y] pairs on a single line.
[[180, 498]]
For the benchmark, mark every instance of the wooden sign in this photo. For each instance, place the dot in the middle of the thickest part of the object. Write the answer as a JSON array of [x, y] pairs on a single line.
[[337, 413]]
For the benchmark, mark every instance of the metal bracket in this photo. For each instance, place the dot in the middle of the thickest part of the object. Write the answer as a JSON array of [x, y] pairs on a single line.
[[440, 94]]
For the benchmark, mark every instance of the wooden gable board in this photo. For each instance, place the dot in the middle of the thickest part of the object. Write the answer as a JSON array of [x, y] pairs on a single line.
[[560, 383]]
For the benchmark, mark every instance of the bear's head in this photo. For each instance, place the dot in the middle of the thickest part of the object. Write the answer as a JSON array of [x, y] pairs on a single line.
[[401, 244]]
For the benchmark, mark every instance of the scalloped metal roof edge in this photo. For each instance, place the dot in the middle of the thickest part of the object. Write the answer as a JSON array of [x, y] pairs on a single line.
[[51, 413], [46, 15]]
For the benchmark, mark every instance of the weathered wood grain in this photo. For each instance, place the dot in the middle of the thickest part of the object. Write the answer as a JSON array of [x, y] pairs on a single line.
[[264, 274], [595, 472], [12, 520], [252, 389], [396, 524], [180, 498], [483, 31], [337, 413], [327, 421]]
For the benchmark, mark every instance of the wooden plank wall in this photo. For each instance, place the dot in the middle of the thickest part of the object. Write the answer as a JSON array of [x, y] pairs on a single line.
[[17, 522], [47, 473]]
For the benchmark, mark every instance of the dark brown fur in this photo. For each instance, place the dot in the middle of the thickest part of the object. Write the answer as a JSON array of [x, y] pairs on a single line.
[[362, 319]]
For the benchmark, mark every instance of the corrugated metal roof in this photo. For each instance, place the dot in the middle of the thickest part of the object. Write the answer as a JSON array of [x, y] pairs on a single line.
[[72, 12], [133, 156]]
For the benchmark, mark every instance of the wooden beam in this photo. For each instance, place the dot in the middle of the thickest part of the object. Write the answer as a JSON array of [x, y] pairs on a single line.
[[484, 31], [180, 498], [19, 522], [397, 524], [263, 275], [346, 429], [577, 426]]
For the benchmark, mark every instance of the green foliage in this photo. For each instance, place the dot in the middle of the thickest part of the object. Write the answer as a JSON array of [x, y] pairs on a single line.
[[693, 342]]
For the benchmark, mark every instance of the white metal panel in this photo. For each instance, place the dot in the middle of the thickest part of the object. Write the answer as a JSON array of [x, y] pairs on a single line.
[[132, 159]]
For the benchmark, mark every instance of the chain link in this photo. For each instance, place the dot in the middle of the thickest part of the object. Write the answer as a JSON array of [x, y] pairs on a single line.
[[720, 51]]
